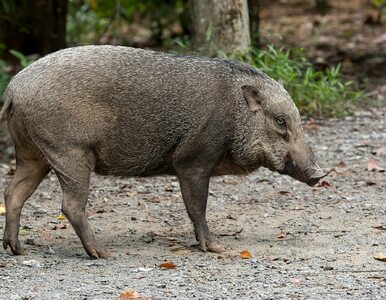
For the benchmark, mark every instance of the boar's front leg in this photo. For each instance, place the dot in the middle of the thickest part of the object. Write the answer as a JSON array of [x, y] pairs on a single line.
[[194, 191]]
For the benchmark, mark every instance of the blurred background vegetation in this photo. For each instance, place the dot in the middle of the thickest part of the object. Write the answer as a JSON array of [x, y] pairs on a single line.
[[331, 55]]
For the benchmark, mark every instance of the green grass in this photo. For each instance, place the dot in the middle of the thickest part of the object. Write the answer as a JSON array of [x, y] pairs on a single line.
[[315, 93]]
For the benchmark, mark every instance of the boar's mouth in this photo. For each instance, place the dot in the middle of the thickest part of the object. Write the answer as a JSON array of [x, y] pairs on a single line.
[[310, 175]]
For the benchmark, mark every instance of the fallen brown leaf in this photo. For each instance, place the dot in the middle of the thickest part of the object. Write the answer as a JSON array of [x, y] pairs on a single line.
[[179, 249], [341, 164], [372, 166], [281, 235], [129, 295], [381, 278], [236, 234], [284, 192], [245, 254], [168, 189], [381, 227], [155, 199], [370, 183], [11, 172], [380, 256], [325, 184], [168, 265]]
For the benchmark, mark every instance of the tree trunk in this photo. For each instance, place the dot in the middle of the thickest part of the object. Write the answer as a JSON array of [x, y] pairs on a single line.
[[322, 6], [37, 26], [254, 21], [220, 26]]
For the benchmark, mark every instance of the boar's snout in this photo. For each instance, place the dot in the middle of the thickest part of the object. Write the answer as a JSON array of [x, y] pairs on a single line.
[[314, 179], [304, 168]]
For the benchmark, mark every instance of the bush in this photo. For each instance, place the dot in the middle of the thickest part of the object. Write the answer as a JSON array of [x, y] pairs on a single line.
[[315, 93], [5, 69], [4, 76]]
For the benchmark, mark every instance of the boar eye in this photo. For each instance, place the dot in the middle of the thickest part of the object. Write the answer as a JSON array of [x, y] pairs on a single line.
[[280, 121]]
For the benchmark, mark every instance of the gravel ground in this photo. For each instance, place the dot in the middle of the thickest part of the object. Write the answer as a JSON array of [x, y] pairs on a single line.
[[306, 243]]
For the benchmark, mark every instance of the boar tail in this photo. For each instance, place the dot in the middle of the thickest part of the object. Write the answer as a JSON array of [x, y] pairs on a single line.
[[7, 104]]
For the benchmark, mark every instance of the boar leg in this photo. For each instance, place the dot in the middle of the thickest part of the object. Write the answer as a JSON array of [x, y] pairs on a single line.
[[29, 173], [194, 191], [75, 186], [73, 170]]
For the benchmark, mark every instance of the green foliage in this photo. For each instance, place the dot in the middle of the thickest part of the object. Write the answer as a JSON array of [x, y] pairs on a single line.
[[4, 76], [5, 68], [378, 3], [7, 6], [315, 93], [23, 60], [89, 20]]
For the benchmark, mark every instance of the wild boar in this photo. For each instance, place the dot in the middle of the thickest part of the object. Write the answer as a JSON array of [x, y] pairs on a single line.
[[130, 112]]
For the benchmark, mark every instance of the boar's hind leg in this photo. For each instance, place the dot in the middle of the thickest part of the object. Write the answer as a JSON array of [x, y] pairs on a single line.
[[194, 189], [30, 171], [74, 179]]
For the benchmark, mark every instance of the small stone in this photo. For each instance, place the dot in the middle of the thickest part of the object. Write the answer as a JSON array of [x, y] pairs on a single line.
[[27, 226], [30, 241], [32, 263]]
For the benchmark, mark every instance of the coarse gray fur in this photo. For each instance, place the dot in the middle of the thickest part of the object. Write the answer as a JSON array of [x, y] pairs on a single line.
[[131, 112]]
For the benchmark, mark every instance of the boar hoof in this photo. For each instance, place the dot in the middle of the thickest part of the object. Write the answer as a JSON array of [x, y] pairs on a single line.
[[98, 253], [211, 246], [16, 248]]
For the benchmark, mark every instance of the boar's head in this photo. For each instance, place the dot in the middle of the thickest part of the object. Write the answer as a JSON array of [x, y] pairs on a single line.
[[277, 139]]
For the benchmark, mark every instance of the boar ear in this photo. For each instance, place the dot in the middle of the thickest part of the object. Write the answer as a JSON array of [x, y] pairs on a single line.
[[253, 97]]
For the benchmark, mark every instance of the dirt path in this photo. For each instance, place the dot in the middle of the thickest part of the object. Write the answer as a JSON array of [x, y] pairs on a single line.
[[306, 243]]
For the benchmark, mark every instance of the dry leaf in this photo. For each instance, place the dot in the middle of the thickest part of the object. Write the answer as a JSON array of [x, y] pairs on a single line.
[[169, 189], [325, 184], [281, 235], [2, 210], [131, 194], [235, 234], [370, 183], [381, 278], [380, 256], [245, 254], [182, 251], [372, 166], [341, 164], [381, 227], [284, 192], [129, 295], [168, 265], [11, 172], [179, 249], [61, 217]]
